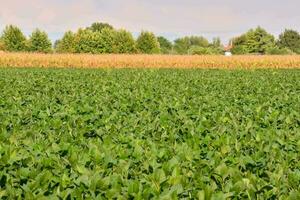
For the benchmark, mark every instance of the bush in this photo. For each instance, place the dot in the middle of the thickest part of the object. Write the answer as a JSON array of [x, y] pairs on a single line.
[[66, 44], [279, 51], [124, 42], [39, 42], [13, 39], [239, 50], [183, 45], [197, 50], [147, 43]]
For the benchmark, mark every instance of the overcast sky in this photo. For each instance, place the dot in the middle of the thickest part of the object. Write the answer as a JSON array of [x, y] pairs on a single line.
[[171, 18]]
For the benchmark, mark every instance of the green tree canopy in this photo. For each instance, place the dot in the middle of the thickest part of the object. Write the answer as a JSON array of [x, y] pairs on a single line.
[[290, 39], [2, 45], [67, 43], [165, 45], [124, 42], [182, 45], [147, 43], [254, 41], [87, 41], [98, 26], [216, 46], [13, 39], [107, 41], [39, 42]]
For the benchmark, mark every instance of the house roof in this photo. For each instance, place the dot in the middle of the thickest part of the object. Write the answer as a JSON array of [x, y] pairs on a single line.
[[228, 47]]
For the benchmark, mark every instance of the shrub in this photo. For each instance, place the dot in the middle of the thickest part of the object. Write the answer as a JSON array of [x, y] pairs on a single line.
[[279, 51], [182, 45], [147, 43], [13, 39], [197, 50], [39, 42], [239, 50]]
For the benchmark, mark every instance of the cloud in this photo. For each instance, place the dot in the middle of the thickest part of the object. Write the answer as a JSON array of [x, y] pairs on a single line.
[[225, 18]]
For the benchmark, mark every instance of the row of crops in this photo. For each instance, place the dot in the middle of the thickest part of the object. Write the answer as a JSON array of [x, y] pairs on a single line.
[[147, 61], [149, 134]]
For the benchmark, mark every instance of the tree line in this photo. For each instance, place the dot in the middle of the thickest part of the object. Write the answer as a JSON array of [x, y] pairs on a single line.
[[103, 38]]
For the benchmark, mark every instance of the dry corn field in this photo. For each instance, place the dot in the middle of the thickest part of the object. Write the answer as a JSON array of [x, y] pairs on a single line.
[[145, 61]]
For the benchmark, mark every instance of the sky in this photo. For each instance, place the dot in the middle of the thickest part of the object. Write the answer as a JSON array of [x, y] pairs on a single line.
[[170, 18]]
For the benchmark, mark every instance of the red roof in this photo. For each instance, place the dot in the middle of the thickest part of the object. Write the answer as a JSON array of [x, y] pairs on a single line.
[[228, 47]]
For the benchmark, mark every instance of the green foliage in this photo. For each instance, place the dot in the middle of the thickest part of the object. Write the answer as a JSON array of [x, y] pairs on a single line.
[[67, 43], [108, 41], [239, 50], [216, 43], [290, 39], [149, 134], [165, 45], [2, 45], [87, 41], [13, 39], [182, 45], [124, 42], [147, 43], [279, 51], [197, 50], [255, 41], [216, 46], [39, 42], [99, 26]]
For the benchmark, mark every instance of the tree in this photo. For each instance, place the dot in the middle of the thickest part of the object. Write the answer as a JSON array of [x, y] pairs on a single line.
[[124, 42], [67, 43], [147, 43], [39, 42], [107, 41], [216, 43], [216, 46], [98, 26], [13, 39], [290, 39], [87, 41], [2, 45], [254, 41], [165, 45], [182, 45]]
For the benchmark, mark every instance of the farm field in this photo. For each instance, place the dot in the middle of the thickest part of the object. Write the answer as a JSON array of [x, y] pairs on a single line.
[[147, 61], [148, 133]]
